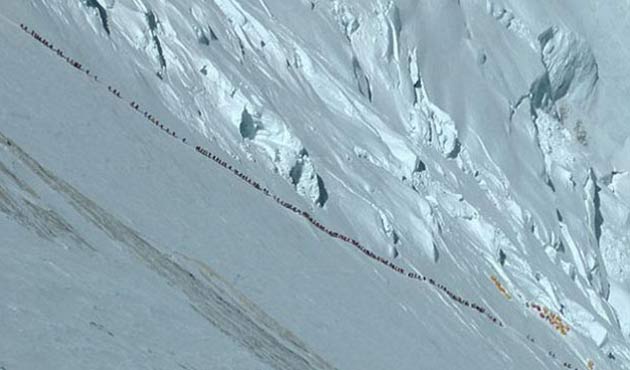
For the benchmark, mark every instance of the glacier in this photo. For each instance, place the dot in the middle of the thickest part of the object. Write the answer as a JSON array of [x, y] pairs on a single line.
[[321, 184]]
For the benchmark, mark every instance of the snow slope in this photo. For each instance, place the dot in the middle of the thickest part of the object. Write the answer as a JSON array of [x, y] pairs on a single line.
[[482, 143]]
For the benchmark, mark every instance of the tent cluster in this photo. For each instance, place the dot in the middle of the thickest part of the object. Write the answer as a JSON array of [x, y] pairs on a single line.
[[543, 311], [554, 319], [500, 287]]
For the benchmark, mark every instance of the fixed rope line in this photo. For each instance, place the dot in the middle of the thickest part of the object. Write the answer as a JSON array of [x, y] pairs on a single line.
[[290, 207], [299, 212]]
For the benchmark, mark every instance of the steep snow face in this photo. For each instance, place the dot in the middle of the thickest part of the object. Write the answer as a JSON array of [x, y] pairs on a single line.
[[481, 141], [570, 65]]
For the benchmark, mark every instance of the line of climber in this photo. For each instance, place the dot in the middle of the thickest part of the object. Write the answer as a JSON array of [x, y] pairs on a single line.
[[313, 221], [57, 51], [136, 107], [112, 90], [289, 206], [351, 241]]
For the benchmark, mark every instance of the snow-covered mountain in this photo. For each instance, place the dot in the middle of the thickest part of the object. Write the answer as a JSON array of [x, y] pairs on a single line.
[[314, 184]]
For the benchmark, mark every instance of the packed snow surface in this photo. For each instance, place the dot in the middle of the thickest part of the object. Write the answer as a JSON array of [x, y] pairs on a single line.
[[314, 184]]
